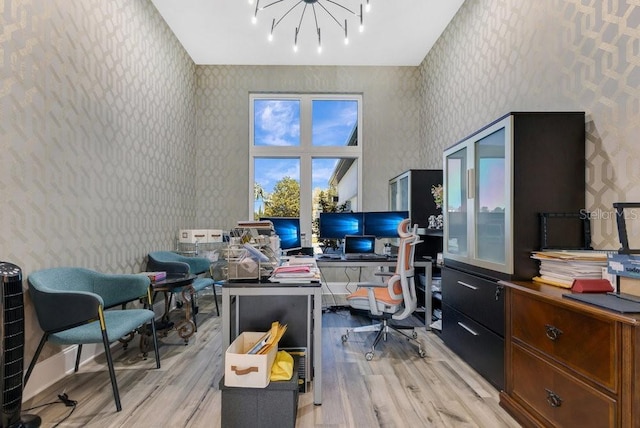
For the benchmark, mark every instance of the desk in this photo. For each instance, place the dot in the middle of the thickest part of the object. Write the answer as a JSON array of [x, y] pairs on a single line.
[[313, 293], [426, 264]]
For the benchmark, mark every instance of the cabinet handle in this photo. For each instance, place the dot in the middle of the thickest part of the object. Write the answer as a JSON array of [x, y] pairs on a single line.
[[473, 287], [469, 329], [553, 399], [553, 333], [471, 184], [499, 289]]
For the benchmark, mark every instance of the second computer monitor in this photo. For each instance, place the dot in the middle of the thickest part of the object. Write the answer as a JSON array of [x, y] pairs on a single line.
[[383, 224], [338, 225]]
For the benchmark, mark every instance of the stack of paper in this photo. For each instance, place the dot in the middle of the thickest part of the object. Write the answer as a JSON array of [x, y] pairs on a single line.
[[296, 273], [560, 268]]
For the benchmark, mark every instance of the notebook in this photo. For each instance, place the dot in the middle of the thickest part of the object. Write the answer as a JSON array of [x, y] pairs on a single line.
[[360, 247]]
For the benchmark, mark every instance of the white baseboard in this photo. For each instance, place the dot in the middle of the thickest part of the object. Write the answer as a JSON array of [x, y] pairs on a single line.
[[48, 372]]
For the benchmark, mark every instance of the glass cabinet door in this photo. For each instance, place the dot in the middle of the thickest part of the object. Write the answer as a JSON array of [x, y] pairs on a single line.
[[491, 186], [456, 242]]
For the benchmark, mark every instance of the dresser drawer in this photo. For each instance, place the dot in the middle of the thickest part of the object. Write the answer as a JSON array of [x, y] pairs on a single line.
[[557, 397], [481, 348], [478, 298], [584, 343]]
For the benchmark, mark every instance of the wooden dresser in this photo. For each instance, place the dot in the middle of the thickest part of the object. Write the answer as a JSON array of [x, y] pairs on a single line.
[[569, 364]]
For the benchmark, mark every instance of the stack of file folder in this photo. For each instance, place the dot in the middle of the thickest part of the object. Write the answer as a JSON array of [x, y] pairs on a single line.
[[561, 268]]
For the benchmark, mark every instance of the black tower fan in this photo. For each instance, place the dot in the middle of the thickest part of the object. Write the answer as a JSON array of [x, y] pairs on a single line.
[[12, 350]]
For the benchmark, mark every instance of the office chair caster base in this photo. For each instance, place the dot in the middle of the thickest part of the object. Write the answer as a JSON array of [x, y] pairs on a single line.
[[414, 335], [345, 337], [368, 356]]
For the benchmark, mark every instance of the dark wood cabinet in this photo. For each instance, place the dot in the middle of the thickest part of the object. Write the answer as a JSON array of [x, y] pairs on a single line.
[[569, 364], [497, 182]]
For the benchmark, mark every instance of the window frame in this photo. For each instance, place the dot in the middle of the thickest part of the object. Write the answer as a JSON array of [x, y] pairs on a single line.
[[306, 151]]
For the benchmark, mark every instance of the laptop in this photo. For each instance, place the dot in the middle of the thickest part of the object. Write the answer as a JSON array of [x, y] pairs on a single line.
[[358, 247]]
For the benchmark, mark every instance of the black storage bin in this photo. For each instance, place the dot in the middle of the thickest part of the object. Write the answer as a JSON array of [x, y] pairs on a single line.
[[275, 406]]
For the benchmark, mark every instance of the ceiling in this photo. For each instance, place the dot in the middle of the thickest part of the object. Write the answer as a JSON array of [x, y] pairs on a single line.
[[397, 32]]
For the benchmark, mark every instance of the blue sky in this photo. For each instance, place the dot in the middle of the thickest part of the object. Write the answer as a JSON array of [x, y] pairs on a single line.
[[277, 123]]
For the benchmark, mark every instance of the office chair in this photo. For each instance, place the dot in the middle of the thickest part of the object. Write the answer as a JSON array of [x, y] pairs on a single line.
[[394, 299]]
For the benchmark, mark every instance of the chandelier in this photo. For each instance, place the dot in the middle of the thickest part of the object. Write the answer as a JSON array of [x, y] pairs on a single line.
[[333, 9]]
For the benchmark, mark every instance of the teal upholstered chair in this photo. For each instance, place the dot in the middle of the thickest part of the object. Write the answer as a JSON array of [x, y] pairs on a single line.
[[174, 263], [70, 306]]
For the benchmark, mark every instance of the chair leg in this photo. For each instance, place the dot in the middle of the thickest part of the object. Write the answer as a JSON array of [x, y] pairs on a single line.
[[155, 342], [75, 368], [215, 296], [112, 372], [43, 340]]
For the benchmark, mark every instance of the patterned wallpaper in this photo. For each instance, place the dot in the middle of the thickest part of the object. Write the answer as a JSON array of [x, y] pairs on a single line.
[[498, 56], [391, 100], [97, 135]]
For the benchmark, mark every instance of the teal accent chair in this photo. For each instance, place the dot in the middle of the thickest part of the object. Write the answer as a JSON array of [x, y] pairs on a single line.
[[70, 306], [176, 264]]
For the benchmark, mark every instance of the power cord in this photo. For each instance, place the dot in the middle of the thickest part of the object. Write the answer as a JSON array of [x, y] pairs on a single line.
[[63, 398], [66, 400]]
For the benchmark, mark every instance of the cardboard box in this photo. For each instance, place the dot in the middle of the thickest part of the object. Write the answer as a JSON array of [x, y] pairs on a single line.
[[247, 370]]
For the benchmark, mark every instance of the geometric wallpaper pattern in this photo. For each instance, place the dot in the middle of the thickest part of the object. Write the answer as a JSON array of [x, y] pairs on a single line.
[[391, 143], [498, 56], [97, 135]]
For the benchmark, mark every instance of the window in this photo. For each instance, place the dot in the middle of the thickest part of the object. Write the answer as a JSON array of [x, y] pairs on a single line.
[[305, 151]]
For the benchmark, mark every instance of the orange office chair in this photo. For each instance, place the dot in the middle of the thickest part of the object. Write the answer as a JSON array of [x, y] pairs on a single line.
[[394, 299]]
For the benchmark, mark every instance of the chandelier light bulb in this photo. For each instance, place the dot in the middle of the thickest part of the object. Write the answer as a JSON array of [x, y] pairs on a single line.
[[254, 20], [270, 38], [361, 28], [367, 8]]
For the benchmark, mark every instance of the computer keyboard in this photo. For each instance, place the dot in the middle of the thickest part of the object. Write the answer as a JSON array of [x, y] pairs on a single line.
[[365, 257]]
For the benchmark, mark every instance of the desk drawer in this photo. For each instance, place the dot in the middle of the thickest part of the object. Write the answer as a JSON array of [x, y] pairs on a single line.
[[556, 396], [481, 348], [564, 335], [478, 298]]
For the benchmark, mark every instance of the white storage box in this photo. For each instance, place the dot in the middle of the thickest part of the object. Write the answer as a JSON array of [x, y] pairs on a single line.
[[214, 235], [191, 236], [247, 370]]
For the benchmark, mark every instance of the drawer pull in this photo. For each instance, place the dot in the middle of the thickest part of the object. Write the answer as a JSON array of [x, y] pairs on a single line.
[[464, 284], [553, 399], [553, 333], [469, 329]]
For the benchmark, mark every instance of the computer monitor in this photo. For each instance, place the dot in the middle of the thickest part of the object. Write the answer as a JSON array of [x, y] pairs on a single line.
[[338, 225], [359, 244], [288, 230], [383, 224]]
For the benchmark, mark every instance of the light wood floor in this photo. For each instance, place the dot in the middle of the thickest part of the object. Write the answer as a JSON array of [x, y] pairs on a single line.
[[396, 389]]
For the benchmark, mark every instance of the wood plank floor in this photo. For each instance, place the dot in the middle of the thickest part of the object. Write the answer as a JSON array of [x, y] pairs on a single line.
[[396, 389]]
